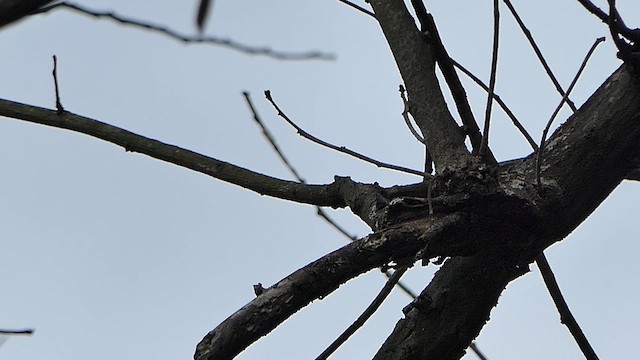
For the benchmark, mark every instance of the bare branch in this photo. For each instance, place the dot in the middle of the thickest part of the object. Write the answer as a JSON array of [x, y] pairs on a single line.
[[318, 279], [445, 63], [492, 79], [14, 10], [280, 55], [366, 314], [565, 313], [17, 332], [620, 27], [502, 104], [536, 49], [59, 107], [358, 7], [322, 195], [405, 116], [555, 112], [341, 149], [415, 58], [203, 12]]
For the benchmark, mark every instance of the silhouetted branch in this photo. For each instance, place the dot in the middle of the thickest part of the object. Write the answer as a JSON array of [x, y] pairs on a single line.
[[322, 195], [280, 55], [621, 28], [502, 104], [320, 211], [565, 313], [555, 112], [366, 314], [358, 7], [458, 93], [14, 10], [405, 116], [17, 332], [59, 106], [536, 49], [341, 149], [492, 78]]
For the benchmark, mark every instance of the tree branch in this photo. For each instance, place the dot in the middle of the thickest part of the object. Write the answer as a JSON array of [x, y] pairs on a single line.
[[14, 10], [318, 279], [416, 61], [565, 313], [321, 195], [251, 50]]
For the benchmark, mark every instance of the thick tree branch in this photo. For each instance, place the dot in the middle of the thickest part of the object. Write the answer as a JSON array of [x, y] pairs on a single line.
[[416, 61], [13, 10], [586, 159], [398, 244], [322, 195]]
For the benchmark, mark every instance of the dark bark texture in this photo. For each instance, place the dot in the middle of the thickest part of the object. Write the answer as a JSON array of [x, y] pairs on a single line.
[[491, 221]]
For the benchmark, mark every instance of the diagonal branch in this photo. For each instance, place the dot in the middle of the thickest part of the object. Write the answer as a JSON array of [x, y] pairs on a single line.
[[318, 279], [251, 50], [14, 10], [415, 59], [536, 49], [341, 149], [445, 63], [322, 195], [565, 313]]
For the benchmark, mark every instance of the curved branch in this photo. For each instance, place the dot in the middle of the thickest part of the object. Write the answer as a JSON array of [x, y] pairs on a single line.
[[321, 195], [415, 58], [316, 280], [160, 29], [14, 10]]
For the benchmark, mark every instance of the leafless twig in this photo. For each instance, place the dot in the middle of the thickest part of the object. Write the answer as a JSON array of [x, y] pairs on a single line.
[[341, 149], [621, 28], [536, 49], [565, 313], [280, 55], [492, 79], [17, 332], [358, 7], [59, 107], [502, 104], [366, 314], [405, 116], [555, 112]]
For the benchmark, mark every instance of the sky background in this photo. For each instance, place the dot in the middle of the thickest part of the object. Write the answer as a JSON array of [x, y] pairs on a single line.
[[114, 255]]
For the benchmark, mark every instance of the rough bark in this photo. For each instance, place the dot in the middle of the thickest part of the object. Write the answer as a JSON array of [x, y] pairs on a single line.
[[587, 158], [416, 61]]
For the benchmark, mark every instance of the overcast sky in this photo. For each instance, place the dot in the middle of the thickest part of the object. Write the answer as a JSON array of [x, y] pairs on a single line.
[[114, 255]]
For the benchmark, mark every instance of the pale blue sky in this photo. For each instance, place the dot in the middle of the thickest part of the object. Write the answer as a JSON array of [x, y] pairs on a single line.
[[113, 255]]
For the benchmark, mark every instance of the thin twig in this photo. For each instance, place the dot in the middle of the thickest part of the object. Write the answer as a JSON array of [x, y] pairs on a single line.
[[280, 55], [203, 12], [366, 314], [536, 49], [320, 211], [502, 104], [405, 116], [59, 107], [565, 313], [358, 7], [458, 93], [341, 149], [621, 28], [615, 22], [17, 332], [492, 79], [475, 349], [557, 110]]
